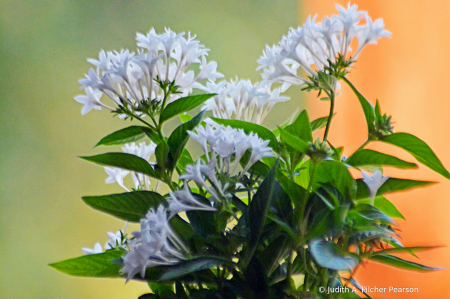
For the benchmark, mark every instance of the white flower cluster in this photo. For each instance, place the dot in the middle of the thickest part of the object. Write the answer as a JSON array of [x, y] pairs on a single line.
[[313, 45], [226, 145], [154, 245], [128, 77], [141, 181], [241, 100]]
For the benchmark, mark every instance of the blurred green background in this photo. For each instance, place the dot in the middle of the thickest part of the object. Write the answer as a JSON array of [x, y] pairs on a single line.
[[43, 50]]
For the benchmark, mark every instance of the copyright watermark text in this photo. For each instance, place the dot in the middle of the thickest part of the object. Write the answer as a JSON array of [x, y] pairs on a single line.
[[368, 290]]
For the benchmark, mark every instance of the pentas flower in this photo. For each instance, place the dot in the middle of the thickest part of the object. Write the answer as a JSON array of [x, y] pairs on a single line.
[[116, 175], [315, 45], [97, 249], [129, 78], [183, 200], [114, 240], [154, 245], [241, 100], [224, 148], [374, 183]]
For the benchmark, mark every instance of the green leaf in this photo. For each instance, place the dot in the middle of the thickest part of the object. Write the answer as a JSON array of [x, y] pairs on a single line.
[[372, 213], [276, 132], [338, 175], [369, 157], [369, 111], [248, 128], [321, 224], [331, 256], [122, 136], [410, 250], [391, 185], [179, 137], [419, 149], [161, 153], [185, 117], [202, 221], [319, 123], [184, 160], [125, 161], [131, 206], [259, 206], [294, 142], [92, 265], [385, 206], [191, 266], [301, 127], [151, 134], [183, 105], [400, 263], [182, 228]]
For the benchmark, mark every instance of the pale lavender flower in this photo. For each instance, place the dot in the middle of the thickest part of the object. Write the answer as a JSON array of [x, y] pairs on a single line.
[[374, 183], [183, 200], [116, 175], [90, 101]]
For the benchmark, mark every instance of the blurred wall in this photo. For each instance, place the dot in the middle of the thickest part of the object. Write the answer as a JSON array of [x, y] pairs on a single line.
[[408, 74], [43, 51]]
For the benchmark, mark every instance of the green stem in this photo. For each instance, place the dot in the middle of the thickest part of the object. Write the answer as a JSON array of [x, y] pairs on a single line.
[[289, 266], [363, 145], [331, 95], [311, 177]]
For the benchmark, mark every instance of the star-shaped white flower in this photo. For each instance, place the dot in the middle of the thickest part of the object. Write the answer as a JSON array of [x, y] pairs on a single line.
[[90, 101], [97, 249], [116, 175], [374, 182]]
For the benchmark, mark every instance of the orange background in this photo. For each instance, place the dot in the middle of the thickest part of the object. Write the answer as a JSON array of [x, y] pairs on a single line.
[[408, 74]]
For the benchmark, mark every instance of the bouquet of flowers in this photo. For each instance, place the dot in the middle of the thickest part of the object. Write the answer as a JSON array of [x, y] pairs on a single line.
[[260, 213]]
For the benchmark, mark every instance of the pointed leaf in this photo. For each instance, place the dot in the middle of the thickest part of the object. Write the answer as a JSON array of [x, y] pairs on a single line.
[[122, 136], [391, 185], [419, 149], [191, 266], [366, 157], [248, 128], [179, 137], [319, 123], [202, 221], [327, 255], [125, 161], [183, 105], [301, 127], [385, 206], [369, 111], [131, 206], [259, 206], [337, 174], [93, 265], [294, 142], [400, 263]]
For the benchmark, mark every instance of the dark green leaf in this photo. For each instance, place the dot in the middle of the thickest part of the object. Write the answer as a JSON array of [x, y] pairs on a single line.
[[369, 157], [161, 153], [319, 123], [202, 221], [410, 250], [191, 266], [338, 175], [179, 137], [131, 206], [148, 296], [331, 256], [122, 136], [320, 225], [181, 227], [159, 288], [184, 160], [248, 128], [273, 254], [391, 185], [301, 127], [276, 132], [369, 111], [419, 149], [93, 265], [125, 161], [400, 263], [294, 142], [183, 105], [259, 206], [152, 135]]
